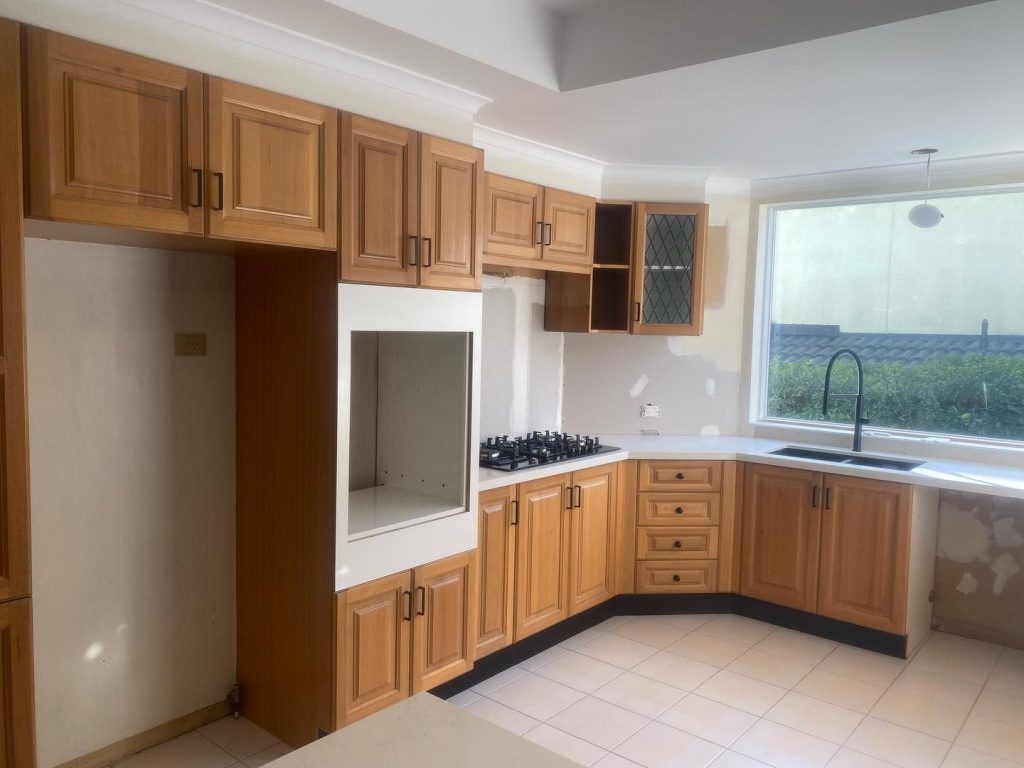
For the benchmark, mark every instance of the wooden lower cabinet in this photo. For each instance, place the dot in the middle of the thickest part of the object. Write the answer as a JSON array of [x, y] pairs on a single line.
[[444, 620], [496, 560], [17, 731], [592, 544]]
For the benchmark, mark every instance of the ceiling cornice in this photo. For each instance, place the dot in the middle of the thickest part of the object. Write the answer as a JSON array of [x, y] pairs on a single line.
[[494, 140]]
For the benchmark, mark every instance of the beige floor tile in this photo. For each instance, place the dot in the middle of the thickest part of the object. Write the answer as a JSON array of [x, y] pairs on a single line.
[[738, 630], [657, 745], [677, 671], [542, 658], [239, 737], [818, 718], [770, 668], [783, 747], [617, 650], [961, 757], [502, 716], [598, 722], [898, 745], [464, 698], [708, 719], [741, 692], [536, 696], [866, 666], [796, 646], [491, 684], [710, 650], [584, 637], [612, 760], [847, 758], [615, 621], [687, 621], [840, 690], [267, 755], [730, 759], [566, 745], [992, 738], [650, 631], [1001, 704], [580, 672], [188, 751], [1008, 674], [959, 657], [927, 702], [639, 694]]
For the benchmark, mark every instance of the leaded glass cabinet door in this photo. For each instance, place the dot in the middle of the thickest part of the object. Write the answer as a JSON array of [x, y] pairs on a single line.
[[668, 288]]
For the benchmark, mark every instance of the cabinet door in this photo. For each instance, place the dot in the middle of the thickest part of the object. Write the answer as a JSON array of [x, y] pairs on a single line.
[[17, 731], [496, 569], [113, 138], [781, 530], [443, 632], [451, 201], [513, 220], [591, 548], [865, 543], [542, 554], [568, 227], [379, 202], [668, 269], [273, 167], [373, 646]]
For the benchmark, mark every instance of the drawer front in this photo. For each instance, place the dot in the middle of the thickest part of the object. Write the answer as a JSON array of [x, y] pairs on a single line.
[[680, 476], [683, 543], [675, 576], [679, 509]]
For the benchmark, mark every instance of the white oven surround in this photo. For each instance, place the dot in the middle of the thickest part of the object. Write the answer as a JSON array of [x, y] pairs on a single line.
[[360, 558]]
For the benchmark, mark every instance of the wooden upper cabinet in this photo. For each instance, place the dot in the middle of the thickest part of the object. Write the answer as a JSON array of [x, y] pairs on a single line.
[[513, 220], [451, 199], [113, 138], [592, 545], [496, 555], [781, 536], [569, 227], [273, 167], [865, 545], [542, 554], [379, 202], [668, 268], [444, 623]]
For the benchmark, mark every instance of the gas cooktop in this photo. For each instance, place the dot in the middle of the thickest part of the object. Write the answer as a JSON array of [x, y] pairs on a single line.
[[510, 454]]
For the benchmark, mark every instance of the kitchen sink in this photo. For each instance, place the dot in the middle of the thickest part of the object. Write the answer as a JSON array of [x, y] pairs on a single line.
[[877, 462]]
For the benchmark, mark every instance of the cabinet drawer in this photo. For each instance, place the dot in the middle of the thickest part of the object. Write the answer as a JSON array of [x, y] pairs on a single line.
[[683, 543], [680, 476], [679, 509], [675, 576]]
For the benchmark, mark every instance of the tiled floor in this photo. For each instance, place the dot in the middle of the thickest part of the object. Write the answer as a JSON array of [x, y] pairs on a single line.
[[729, 692], [227, 743]]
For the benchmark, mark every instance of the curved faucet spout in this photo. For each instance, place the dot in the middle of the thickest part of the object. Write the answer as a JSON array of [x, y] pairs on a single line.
[[858, 415]]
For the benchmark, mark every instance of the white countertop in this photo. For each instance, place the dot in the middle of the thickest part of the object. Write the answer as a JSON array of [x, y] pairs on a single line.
[[952, 475], [422, 732]]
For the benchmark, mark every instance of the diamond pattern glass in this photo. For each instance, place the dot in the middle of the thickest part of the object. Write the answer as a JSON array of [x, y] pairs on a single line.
[[668, 268]]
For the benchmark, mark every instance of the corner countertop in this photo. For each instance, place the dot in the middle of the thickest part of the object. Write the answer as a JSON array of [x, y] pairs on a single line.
[[422, 732], [991, 479]]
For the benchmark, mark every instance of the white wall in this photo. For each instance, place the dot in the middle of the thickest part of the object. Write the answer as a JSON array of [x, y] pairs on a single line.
[[132, 482]]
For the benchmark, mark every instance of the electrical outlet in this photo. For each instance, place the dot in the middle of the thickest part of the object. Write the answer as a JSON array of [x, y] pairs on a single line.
[[649, 411], [190, 345]]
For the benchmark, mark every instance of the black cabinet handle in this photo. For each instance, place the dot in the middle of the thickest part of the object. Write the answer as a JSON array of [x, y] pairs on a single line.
[[413, 247], [814, 497], [675, 577], [197, 175], [540, 233], [568, 491], [547, 235], [677, 544], [220, 192], [515, 512], [577, 495], [679, 510], [421, 601], [828, 498], [636, 314], [407, 613], [680, 476], [430, 252]]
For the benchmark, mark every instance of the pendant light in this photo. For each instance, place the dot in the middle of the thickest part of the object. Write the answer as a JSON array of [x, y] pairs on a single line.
[[925, 215]]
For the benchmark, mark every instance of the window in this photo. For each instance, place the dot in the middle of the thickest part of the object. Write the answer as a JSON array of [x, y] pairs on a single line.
[[937, 315]]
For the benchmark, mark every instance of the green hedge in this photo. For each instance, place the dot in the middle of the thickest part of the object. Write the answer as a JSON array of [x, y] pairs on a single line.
[[980, 395]]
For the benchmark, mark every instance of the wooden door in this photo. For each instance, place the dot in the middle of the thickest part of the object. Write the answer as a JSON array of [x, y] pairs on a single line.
[[513, 220], [542, 554], [496, 555], [592, 537], [373, 653], [444, 623], [273, 167], [865, 545], [781, 530], [113, 138], [17, 731], [569, 227], [379, 202], [451, 202], [668, 269]]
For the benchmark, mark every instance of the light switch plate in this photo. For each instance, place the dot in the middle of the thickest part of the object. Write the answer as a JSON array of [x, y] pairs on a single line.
[[649, 411]]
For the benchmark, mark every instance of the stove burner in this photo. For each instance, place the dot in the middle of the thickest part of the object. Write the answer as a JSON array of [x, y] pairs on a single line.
[[536, 448]]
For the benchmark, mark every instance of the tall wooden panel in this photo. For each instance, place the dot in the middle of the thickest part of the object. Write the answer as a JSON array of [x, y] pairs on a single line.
[[17, 732], [379, 202], [542, 554], [513, 219], [781, 530], [444, 620], [569, 227], [113, 138], [273, 168], [592, 545], [496, 556]]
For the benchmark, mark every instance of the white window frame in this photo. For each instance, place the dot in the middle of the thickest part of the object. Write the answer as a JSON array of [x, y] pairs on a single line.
[[880, 439]]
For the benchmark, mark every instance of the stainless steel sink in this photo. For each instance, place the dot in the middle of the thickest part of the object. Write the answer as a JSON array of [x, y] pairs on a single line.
[[877, 462]]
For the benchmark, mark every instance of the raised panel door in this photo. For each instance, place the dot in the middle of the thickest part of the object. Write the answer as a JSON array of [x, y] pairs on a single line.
[[443, 633], [781, 536], [513, 220], [17, 733], [273, 168], [569, 227], [496, 555], [113, 138], [865, 544], [542, 554], [591, 550]]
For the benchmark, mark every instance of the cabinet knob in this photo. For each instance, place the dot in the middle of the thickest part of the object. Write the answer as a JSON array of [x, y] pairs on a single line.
[[675, 577], [680, 476], [679, 510], [677, 544]]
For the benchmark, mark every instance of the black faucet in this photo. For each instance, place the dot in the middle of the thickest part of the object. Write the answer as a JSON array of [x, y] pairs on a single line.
[[858, 412]]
